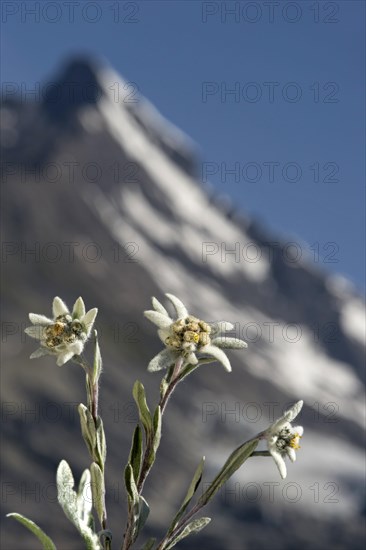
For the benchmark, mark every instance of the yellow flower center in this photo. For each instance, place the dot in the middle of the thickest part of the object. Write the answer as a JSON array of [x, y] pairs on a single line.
[[189, 331], [63, 331], [295, 440]]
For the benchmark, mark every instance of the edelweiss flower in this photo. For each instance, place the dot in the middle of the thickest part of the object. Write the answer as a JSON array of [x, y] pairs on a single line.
[[186, 336], [64, 335], [283, 439]]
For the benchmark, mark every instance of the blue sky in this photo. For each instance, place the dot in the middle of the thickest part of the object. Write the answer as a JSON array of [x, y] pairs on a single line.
[[293, 131]]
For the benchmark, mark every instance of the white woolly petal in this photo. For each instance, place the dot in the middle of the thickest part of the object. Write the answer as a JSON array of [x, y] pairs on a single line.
[[291, 454], [279, 424], [271, 440], [163, 334], [158, 319], [289, 415], [40, 319], [88, 320], [159, 307], [40, 352], [221, 326], [180, 308], [78, 311], [280, 463], [35, 332], [298, 430], [64, 357], [294, 411], [218, 354], [59, 307], [192, 359], [286, 418], [229, 343], [163, 360], [76, 348]]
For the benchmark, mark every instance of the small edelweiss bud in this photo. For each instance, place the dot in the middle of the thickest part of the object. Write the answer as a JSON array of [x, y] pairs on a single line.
[[191, 319], [190, 336], [193, 326], [58, 328], [179, 326], [205, 327], [173, 342], [52, 342], [281, 443], [204, 339]]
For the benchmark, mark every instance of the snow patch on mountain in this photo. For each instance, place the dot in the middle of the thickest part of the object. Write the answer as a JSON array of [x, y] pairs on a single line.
[[190, 205], [353, 320]]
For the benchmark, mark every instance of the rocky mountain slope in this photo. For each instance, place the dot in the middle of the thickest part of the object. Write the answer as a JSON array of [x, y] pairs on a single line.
[[101, 198]]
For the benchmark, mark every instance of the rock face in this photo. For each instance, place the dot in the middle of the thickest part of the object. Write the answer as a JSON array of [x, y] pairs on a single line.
[[101, 198]]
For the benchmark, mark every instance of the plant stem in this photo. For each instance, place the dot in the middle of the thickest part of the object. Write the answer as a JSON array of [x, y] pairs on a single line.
[[172, 385], [260, 453], [168, 538], [180, 525], [145, 469], [95, 399], [92, 390], [146, 466]]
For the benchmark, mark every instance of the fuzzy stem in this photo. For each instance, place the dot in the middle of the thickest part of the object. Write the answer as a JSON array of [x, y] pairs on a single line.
[[260, 453], [162, 403], [146, 467], [183, 522], [95, 401], [172, 385], [92, 390]]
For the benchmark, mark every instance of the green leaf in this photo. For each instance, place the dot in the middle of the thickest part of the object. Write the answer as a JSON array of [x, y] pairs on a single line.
[[190, 368], [194, 527], [191, 491], [87, 428], [137, 504], [157, 428], [131, 485], [149, 544], [139, 396], [98, 490], [144, 511], [156, 435], [97, 363], [101, 445], [84, 499], [47, 543], [233, 463], [93, 434], [67, 498], [65, 494], [163, 387], [136, 452]]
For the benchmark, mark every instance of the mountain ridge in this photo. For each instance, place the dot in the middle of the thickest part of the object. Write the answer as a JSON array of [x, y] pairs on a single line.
[[135, 195]]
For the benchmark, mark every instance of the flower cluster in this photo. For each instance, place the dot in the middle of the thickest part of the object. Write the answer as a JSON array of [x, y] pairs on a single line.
[[64, 335], [283, 439], [188, 341], [186, 336]]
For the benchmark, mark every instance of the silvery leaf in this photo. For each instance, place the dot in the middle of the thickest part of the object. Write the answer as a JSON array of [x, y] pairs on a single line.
[[47, 543]]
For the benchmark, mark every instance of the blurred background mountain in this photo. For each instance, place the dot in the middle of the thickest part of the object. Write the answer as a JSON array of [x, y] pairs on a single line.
[[101, 197]]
